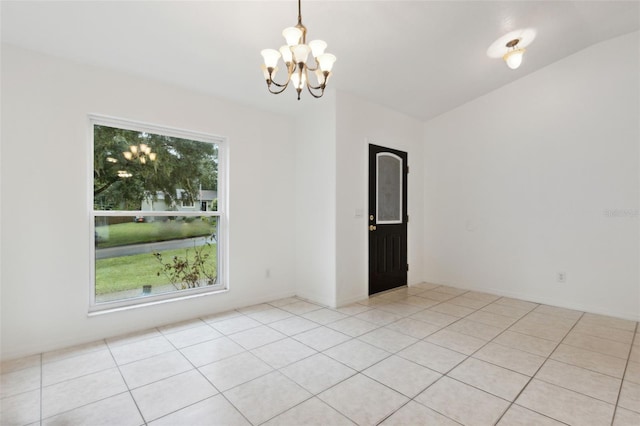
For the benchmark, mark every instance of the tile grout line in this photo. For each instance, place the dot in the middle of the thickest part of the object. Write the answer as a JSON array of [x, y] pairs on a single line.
[[422, 405], [470, 356], [474, 352], [41, 387], [298, 404], [624, 373], [459, 319], [599, 351], [582, 368], [125, 381], [586, 333], [391, 353], [312, 395], [209, 381], [538, 370], [278, 340], [316, 395], [547, 358], [446, 374], [379, 326], [161, 334], [555, 360], [88, 403], [585, 369], [347, 378], [540, 414], [351, 338], [569, 344]]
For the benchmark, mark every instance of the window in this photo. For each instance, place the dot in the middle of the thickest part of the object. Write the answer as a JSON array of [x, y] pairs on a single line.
[[158, 213], [186, 199]]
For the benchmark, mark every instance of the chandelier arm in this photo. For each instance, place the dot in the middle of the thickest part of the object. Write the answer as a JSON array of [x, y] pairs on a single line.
[[306, 77], [313, 94], [280, 85], [313, 68], [289, 70], [321, 85], [277, 92], [314, 87]]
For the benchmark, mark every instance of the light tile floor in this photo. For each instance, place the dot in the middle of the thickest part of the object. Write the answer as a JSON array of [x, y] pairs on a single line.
[[421, 355]]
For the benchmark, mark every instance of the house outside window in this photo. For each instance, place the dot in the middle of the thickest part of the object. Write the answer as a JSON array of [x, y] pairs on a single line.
[[152, 238]]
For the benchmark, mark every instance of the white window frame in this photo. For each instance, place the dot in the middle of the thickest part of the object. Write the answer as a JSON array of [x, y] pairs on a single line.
[[221, 214]]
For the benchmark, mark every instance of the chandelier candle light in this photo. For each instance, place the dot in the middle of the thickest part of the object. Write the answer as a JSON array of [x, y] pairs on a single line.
[[140, 152], [295, 54]]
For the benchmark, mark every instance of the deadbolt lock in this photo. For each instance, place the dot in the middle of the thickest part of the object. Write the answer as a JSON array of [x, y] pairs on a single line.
[[370, 217], [372, 227]]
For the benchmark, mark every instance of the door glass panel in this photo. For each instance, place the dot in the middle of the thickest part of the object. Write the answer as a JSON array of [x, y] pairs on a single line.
[[389, 188]]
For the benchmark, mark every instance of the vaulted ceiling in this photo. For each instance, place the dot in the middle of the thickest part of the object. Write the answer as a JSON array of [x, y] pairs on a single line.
[[421, 58]]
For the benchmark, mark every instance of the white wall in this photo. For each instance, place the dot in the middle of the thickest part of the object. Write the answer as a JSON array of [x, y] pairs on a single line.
[[358, 124], [45, 186], [332, 183], [518, 184], [513, 187], [315, 159]]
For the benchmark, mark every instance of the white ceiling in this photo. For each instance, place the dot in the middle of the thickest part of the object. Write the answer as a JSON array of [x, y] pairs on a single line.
[[421, 58]]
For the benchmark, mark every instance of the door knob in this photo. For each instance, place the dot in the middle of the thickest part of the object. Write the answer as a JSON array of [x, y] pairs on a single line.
[[372, 227]]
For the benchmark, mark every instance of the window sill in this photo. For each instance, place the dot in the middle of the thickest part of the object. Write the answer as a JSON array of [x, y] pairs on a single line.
[[159, 300]]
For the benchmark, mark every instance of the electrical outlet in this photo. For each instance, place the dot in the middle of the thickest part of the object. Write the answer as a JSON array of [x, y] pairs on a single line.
[[561, 277]]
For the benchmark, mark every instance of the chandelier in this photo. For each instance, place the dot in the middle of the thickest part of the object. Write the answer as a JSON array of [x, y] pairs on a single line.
[[140, 152], [294, 55]]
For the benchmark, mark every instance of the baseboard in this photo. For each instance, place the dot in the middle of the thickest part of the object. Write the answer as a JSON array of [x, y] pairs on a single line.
[[350, 300], [316, 299], [632, 316]]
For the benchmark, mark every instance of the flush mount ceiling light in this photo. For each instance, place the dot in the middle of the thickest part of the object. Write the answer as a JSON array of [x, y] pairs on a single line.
[[295, 54], [511, 47], [514, 55]]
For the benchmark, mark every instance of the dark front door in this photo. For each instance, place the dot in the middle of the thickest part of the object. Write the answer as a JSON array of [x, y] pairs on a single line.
[[387, 218]]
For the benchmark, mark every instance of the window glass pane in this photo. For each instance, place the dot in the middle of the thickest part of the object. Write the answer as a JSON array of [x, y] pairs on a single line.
[[135, 170], [149, 255], [389, 196]]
